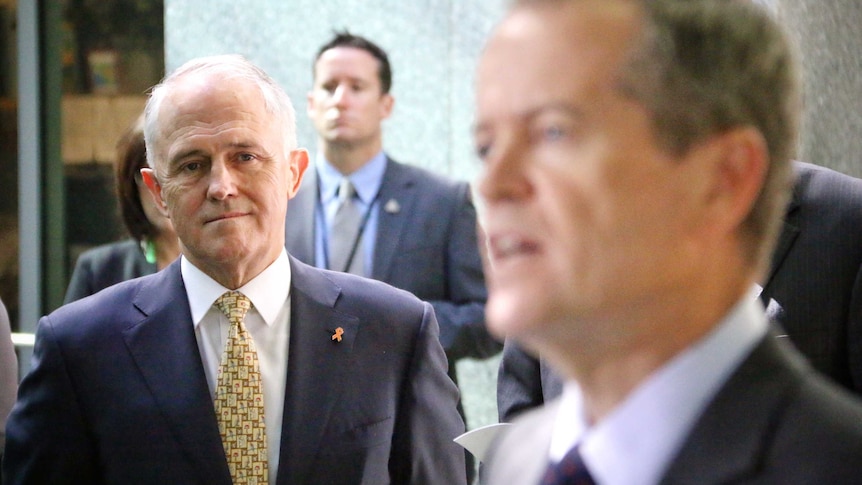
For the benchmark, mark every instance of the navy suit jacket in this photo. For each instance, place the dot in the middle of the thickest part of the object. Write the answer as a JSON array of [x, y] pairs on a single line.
[[815, 280], [117, 391], [427, 247], [775, 421]]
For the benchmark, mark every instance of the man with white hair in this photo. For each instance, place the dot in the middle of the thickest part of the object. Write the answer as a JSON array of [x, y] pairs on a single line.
[[237, 363]]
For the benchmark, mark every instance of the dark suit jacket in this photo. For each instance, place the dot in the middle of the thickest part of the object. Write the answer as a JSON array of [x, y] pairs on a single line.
[[816, 273], [775, 421], [815, 280], [117, 392], [428, 247], [106, 265]]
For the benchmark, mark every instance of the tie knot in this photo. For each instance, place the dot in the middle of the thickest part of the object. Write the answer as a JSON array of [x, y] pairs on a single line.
[[346, 191], [234, 305], [571, 470]]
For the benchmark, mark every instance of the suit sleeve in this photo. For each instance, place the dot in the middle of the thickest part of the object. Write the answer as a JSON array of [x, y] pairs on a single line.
[[462, 316], [854, 333], [46, 438], [423, 447], [8, 372], [519, 383]]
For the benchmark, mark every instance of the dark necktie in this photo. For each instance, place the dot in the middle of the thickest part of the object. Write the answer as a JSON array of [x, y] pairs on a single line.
[[571, 470], [344, 248]]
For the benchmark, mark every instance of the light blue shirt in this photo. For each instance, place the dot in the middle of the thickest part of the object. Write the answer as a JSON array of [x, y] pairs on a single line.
[[636, 442], [367, 181]]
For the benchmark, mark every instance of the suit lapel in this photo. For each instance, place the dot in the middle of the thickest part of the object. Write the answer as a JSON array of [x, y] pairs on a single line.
[[299, 228], [729, 442], [789, 232], [165, 350], [396, 205], [318, 369]]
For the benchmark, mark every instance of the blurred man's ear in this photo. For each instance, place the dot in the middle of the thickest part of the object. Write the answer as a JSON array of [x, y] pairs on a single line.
[[739, 173], [387, 102]]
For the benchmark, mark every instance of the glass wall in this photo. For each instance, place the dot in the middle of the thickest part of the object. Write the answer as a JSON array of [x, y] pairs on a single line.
[[73, 75], [111, 52], [8, 159]]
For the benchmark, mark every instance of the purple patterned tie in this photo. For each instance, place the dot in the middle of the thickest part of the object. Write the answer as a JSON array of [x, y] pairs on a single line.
[[571, 470]]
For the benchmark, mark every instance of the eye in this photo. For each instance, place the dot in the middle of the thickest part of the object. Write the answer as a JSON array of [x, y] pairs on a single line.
[[482, 150], [553, 132], [246, 157], [482, 141], [191, 167]]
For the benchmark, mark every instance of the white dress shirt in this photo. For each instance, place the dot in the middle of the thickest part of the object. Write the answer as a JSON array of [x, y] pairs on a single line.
[[268, 322], [636, 442]]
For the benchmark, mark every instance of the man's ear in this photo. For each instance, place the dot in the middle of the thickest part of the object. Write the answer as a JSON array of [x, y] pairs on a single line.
[[155, 189], [739, 173], [298, 165], [387, 102], [309, 105]]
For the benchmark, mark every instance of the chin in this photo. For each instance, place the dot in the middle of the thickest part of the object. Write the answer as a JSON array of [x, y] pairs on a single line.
[[509, 315]]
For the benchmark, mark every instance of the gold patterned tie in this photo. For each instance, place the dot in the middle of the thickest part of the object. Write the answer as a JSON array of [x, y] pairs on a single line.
[[239, 397]]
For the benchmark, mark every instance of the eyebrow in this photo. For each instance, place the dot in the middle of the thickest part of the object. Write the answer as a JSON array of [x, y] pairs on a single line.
[[532, 113], [185, 154], [198, 152]]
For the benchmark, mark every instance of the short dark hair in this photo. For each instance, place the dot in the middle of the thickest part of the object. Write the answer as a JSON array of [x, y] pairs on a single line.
[[131, 158], [346, 39]]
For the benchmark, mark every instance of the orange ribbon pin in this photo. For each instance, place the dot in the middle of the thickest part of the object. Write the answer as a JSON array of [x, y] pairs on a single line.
[[337, 335]]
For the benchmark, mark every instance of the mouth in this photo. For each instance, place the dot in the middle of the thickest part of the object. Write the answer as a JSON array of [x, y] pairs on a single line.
[[510, 246], [225, 216]]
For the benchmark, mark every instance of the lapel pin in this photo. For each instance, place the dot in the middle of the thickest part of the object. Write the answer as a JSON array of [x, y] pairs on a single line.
[[392, 206], [337, 335]]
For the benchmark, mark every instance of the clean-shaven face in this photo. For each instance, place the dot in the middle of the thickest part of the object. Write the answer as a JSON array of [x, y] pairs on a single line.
[[585, 215], [346, 104], [224, 173]]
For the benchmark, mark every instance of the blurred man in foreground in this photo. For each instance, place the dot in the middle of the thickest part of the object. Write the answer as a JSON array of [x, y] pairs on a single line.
[[636, 169]]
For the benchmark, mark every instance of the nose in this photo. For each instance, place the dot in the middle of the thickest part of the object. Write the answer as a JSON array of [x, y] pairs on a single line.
[[222, 181], [505, 176], [340, 95]]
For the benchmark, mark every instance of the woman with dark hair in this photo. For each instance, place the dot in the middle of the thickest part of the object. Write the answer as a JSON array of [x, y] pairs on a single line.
[[153, 244]]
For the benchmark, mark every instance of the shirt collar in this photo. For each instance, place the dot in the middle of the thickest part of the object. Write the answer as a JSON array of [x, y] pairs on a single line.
[[635, 443], [366, 179], [267, 291]]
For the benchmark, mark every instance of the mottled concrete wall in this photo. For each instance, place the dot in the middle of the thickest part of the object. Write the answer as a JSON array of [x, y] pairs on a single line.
[[829, 38], [433, 46]]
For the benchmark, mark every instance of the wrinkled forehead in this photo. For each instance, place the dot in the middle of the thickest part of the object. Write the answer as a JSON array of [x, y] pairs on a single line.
[[196, 98], [216, 113]]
